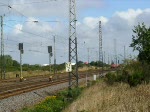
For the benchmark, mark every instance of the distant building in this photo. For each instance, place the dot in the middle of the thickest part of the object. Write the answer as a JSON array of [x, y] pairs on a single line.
[[45, 64], [114, 65]]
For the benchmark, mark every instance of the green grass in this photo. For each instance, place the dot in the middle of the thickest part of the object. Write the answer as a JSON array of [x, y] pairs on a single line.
[[55, 103]]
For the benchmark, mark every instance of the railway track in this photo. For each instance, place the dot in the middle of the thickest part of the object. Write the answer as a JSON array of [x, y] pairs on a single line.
[[13, 83], [35, 86], [13, 92], [27, 86]]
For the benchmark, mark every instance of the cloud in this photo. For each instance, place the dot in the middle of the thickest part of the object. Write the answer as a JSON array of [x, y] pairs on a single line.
[[92, 22], [18, 28], [45, 8], [129, 15], [85, 4], [118, 27], [36, 36]]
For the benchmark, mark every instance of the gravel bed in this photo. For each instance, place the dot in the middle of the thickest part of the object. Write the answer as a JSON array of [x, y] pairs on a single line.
[[15, 103]]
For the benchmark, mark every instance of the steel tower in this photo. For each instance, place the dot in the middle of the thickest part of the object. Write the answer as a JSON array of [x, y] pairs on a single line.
[[100, 46], [73, 58]]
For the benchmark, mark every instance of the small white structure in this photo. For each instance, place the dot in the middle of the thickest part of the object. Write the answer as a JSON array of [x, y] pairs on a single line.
[[94, 77], [45, 64], [73, 63], [68, 67]]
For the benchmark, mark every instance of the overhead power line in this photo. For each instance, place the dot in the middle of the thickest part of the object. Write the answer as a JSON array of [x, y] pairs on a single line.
[[26, 3], [26, 31]]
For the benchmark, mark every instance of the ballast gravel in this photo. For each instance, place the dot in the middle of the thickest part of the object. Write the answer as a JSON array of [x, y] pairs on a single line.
[[15, 103]]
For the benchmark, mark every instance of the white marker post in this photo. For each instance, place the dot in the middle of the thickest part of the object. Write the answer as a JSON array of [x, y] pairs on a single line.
[[68, 67]]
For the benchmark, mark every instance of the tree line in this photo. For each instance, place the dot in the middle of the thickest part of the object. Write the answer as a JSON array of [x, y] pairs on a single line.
[[13, 65]]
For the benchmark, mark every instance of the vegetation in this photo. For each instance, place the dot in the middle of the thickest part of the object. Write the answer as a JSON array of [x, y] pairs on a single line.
[[134, 74], [109, 96], [115, 98], [55, 103], [13, 67], [141, 42], [119, 96]]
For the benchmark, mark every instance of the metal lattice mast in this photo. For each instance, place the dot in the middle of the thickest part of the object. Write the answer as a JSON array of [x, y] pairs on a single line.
[[54, 57], [100, 46], [73, 75], [115, 51], [2, 51]]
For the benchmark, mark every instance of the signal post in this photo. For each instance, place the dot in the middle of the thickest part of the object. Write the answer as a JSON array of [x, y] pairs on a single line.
[[21, 52], [50, 55]]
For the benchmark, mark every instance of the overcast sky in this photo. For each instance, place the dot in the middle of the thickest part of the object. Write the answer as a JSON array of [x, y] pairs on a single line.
[[118, 18]]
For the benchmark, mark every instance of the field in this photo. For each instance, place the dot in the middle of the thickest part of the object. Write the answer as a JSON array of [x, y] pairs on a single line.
[[116, 98], [41, 72], [27, 73]]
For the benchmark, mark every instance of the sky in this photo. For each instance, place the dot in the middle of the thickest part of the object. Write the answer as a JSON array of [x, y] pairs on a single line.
[[35, 23]]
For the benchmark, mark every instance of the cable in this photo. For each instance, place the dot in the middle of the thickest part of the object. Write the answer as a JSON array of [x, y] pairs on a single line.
[[25, 31], [34, 2]]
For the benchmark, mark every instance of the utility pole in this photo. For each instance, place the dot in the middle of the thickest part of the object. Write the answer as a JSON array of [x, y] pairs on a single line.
[[108, 60], [111, 58], [54, 57], [104, 57], [2, 52], [73, 58], [115, 51], [21, 52], [88, 49], [50, 55], [124, 54], [96, 56], [100, 47], [50, 63]]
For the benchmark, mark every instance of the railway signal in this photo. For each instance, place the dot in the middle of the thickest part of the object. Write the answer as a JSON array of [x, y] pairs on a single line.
[[50, 55], [21, 52]]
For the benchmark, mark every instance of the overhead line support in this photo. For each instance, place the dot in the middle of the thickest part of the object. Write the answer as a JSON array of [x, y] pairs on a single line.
[[2, 52], [73, 58], [100, 48]]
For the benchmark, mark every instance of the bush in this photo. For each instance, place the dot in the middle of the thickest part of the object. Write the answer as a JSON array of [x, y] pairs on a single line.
[[135, 73], [110, 78], [56, 103], [135, 79], [74, 93], [42, 108], [123, 77]]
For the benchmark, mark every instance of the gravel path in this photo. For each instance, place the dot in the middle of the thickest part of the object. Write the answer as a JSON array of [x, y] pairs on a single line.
[[12, 104]]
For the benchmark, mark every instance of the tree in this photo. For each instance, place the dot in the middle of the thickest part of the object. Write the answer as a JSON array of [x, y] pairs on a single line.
[[80, 63], [141, 42], [8, 60], [16, 63]]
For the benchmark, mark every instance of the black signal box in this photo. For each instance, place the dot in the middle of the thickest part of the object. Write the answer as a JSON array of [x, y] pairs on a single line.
[[49, 49], [20, 46]]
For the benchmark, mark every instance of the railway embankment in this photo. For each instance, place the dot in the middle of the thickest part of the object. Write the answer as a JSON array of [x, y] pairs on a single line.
[[17, 102], [14, 103]]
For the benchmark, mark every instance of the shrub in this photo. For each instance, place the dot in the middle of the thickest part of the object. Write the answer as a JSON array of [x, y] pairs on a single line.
[[110, 78], [123, 77], [135, 79], [63, 94], [74, 93], [133, 74], [42, 108], [56, 103]]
